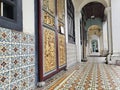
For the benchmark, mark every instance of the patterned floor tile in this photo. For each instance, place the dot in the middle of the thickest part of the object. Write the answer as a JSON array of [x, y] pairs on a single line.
[[87, 76]]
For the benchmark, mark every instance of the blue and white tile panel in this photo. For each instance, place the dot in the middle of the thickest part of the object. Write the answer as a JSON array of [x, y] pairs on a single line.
[[17, 60]]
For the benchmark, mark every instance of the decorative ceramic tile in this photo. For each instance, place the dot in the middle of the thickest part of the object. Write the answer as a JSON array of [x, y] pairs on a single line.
[[5, 35], [15, 86], [24, 49], [5, 50], [4, 64], [31, 60], [24, 38], [4, 87], [15, 75], [31, 39], [24, 84], [24, 72], [32, 88], [24, 60], [15, 37], [4, 79], [31, 81], [31, 49], [31, 70], [15, 48], [15, 62]]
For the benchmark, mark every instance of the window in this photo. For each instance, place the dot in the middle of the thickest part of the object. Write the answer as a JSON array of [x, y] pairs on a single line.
[[11, 14], [70, 16]]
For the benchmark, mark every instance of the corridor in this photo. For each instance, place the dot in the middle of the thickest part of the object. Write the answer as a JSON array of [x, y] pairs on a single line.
[[91, 75]]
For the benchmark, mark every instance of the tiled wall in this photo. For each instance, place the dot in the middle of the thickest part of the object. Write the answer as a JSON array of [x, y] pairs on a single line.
[[17, 60], [71, 54]]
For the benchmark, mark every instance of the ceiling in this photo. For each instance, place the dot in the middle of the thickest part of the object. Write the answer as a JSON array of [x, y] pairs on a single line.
[[93, 10]]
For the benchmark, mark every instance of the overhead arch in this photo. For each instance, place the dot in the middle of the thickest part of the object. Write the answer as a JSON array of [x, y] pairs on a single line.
[[82, 3]]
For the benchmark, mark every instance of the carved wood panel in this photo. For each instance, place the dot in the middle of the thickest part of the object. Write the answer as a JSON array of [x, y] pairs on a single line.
[[61, 50], [48, 19], [49, 50]]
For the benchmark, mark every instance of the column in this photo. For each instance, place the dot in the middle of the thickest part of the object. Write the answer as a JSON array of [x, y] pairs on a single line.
[[109, 29], [77, 35]]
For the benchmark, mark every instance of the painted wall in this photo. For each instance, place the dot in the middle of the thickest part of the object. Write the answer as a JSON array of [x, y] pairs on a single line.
[[90, 22], [28, 16], [115, 7]]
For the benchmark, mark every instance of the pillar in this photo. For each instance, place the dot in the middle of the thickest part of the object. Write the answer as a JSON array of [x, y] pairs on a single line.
[[109, 31], [77, 35]]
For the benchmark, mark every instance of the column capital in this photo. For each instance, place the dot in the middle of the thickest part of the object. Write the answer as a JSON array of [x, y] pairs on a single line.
[[107, 10], [78, 14]]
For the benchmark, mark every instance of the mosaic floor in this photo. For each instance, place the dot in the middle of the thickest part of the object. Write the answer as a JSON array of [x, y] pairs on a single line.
[[86, 76]]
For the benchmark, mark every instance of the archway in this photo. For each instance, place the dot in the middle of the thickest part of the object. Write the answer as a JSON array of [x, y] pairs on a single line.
[[92, 23]]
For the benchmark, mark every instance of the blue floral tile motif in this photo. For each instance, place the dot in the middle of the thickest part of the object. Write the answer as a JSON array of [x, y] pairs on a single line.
[[5, 50], [4, 79], [24, 49], [24, 84], [15, 62], [31, 49], [15, 37], [31, 39], [31, 70], [15, 49], [24, 38], [15, 86], [4, 64], [24, 72], [15, 75], [24, 60], [31, 60], [31, 81], [5, 35]]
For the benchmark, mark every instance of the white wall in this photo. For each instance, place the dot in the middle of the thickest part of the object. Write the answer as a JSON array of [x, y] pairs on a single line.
[[115, 6], [28, 16]]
